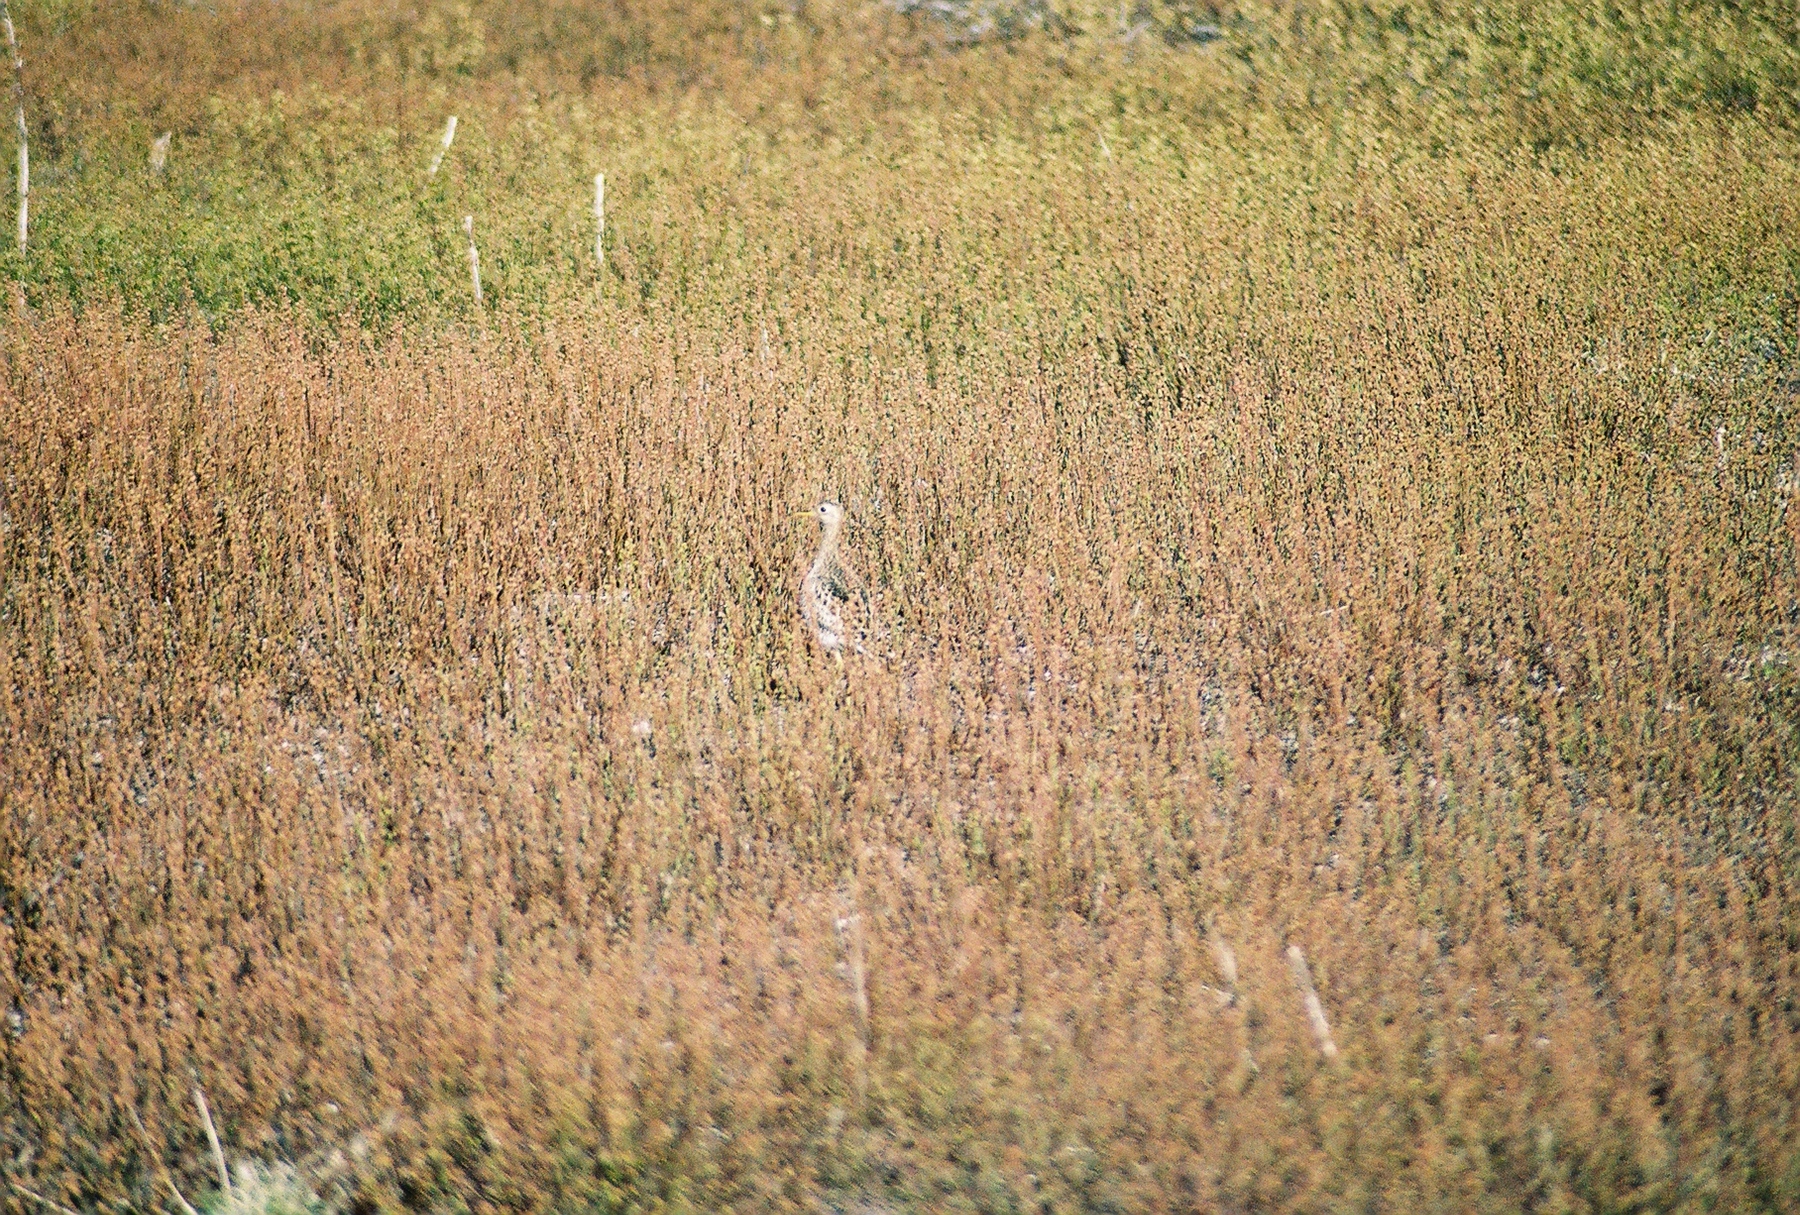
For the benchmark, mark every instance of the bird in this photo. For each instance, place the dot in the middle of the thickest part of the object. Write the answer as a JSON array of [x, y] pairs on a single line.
[[830, 588]]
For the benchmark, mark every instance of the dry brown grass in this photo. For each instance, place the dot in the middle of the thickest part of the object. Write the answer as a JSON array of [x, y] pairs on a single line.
[[414, 742]]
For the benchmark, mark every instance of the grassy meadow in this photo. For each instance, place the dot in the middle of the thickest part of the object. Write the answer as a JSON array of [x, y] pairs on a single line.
[[1326, 477]]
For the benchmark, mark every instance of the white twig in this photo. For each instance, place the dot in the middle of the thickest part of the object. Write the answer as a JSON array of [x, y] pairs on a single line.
[[49, 1202], [159, 151], [474, 257], [1315, 1011], [1226, 961], [212, 1137], [859, 989], [149, 1150], [852, 929], [438, 160], [12, 44], [600, 220]]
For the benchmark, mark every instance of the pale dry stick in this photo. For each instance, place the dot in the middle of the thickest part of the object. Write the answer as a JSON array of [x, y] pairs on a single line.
[[859, 990], [159, 151], [474, 257], [1315, 1011], [12, 44], [186, 1207], [1227, 997], [600, 220], [851, 928], [33, 1194], [212, 1137], [1227, 964], [438, 160]]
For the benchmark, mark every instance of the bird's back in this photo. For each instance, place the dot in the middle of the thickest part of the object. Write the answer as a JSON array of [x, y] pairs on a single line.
[[823, 593]]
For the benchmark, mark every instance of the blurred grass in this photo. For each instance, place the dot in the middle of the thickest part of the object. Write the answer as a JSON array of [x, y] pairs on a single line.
[[298, 178], [1328, 483]]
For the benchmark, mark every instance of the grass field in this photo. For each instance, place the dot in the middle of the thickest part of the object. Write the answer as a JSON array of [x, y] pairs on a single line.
[[1326, 478]]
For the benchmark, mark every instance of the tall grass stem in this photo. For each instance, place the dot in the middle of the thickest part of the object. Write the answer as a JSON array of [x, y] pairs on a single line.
[[443, 148], [851, 928], [37, 1197], [474, 257], [150, 1152], [12, 45], [1309, 996], [212, 1139]]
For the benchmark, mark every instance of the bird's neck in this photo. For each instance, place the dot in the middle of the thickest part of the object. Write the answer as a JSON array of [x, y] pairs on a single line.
[[828, 544]]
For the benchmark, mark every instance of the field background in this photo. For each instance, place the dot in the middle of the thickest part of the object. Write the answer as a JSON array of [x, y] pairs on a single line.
[[1326, 473]]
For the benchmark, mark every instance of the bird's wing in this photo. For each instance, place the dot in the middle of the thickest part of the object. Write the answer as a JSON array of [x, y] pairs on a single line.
[[825, 593], [852, 593], [842, 584], [822, 612]]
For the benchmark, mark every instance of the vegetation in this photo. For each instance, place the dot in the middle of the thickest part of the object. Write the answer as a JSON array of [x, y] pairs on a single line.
[[1326, 479]]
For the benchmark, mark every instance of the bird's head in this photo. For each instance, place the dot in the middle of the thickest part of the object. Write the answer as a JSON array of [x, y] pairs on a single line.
[[829, 514]]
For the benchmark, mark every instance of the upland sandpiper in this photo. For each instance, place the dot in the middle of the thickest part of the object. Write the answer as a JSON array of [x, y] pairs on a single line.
[[829, 589]]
